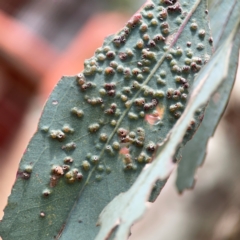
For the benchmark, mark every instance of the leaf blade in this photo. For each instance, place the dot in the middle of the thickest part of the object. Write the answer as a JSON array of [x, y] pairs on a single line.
[[65, 212], [132, 205], [194, 152]]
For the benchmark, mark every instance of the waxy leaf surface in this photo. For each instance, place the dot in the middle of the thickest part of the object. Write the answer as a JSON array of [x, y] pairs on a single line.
[[194, 152], [128, 207], [99, 128]]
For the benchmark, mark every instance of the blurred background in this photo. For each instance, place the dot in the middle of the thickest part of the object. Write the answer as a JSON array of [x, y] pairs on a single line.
[[42, 40]]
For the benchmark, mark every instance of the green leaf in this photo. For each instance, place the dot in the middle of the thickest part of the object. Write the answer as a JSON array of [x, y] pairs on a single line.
[[100, 128], [194, 152], [223, 16], [128, 207]]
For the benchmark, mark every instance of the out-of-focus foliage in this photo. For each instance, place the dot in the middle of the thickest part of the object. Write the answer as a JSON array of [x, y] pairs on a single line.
[[125, 5]]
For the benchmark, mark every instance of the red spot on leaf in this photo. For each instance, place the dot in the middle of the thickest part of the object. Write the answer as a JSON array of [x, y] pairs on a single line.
[[216, 97], [124, 150], [137, 17], [155, 117]]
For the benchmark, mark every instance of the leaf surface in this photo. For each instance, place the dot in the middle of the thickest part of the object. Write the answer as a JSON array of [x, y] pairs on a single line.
[[100, 128], [223, 18], [194, 152], [128, 207]]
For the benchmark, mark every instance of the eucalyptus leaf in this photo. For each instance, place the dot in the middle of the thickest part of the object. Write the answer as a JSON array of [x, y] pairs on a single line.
[[223, 17], [128, 207], [193, 154], [100, 128]]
